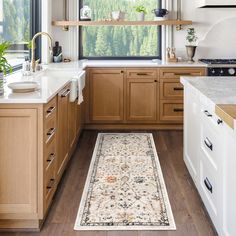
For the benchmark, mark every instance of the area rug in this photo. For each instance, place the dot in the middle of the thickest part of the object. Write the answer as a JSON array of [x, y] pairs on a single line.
[[125, 189]]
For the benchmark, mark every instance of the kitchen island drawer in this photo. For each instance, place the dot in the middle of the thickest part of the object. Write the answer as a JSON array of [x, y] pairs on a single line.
[[171, 110], [209, 190], [50, 184], [176, 73], [141, 73], [171, 89], [50, 109]]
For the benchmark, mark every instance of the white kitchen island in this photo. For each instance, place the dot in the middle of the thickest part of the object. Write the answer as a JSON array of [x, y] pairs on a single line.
[[210, 147]]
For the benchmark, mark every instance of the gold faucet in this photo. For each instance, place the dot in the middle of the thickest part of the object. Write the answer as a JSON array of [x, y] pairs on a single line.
[[33, 61]]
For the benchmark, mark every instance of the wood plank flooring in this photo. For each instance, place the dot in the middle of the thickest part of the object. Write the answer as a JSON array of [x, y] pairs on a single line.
[[190, 217]]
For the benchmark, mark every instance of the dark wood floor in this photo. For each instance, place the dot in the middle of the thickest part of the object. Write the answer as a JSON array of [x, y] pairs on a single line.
[[190, 216]]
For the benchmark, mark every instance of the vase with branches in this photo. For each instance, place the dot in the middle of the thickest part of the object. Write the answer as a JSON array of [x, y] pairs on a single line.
[[191, 44]]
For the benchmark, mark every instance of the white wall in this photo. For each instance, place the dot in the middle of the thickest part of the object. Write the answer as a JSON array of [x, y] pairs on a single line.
[[220, 39], [67, 39]]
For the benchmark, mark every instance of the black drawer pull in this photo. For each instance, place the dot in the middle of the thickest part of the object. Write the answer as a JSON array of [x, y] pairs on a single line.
[[208, 144], [208, 185], [207, 113], [219, 121], [178, 110], [50, 110], [66, 93], [50, 185], [178, 89], [51, 157], [144, 74], [51, 132]]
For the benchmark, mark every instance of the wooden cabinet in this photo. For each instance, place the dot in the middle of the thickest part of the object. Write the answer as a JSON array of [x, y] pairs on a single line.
[[106, 95], [36, 145], [128, 97], [172, 91], [18, 163], [63, 130], [141, 99]]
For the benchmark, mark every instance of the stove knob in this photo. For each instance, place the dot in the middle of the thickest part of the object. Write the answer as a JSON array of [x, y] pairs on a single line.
[[222, 72], [231, 71], [213, 71]]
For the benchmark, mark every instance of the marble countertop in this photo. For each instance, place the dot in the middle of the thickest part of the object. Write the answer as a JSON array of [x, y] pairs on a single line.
[[221, 95]]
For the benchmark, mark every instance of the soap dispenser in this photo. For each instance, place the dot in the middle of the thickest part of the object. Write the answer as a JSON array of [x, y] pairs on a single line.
[[57, 52]]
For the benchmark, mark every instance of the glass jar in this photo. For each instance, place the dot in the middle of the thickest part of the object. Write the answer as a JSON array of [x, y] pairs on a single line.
[[85, 13]]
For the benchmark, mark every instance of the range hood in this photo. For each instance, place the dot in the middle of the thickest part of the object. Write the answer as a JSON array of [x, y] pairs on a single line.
[[216, 3]]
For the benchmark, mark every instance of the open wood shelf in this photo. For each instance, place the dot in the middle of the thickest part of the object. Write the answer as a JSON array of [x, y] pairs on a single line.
[[120, 23]]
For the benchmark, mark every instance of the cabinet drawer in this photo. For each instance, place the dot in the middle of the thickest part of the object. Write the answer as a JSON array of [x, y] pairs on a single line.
[[171, 89], [50, 183], [50, 109], [176, 73], [141, 73], [50, 129], [50, 154], [171, 111], [209, 190], [210, 145]]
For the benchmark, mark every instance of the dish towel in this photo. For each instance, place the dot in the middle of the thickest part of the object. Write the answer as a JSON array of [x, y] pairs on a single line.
[[81, 86]]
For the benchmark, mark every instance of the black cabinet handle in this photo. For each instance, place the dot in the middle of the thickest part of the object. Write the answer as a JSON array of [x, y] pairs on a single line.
[[50, 110], [208, 185], [207, 113], [155, 81], [178, 110], [51, 183], [178, 89], [51, 132], [219, 121], [66, 93], [51, 157], [144, 74], [208, 144]]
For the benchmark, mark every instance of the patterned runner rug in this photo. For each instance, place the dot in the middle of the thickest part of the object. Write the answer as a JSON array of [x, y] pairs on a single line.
[[125, 189]]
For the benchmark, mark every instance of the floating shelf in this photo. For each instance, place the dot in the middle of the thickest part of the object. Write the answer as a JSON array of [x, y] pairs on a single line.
[[121, 23]]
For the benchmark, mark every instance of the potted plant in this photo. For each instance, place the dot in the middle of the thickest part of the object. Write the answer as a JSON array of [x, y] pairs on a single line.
[[141, 12], [4, 65], [191, 46]]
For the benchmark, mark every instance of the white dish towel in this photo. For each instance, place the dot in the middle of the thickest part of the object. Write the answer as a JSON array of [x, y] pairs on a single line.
[[77, 86], [81, 86]]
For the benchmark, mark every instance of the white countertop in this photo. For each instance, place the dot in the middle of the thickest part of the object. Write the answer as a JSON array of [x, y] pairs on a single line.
[[50, 83], [58, 75], [124, 63], [220, 90]]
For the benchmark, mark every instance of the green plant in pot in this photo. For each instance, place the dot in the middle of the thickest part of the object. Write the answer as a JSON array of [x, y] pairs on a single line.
[[141, 12], [5, 67], [191, 45]]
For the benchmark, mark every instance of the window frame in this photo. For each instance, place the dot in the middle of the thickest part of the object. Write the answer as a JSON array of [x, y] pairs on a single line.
[[82, 57], [35, 26]]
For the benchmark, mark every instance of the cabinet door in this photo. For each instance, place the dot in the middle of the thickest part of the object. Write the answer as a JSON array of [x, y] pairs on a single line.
[[106, 95], [18, 163], [141, 100], [63, 134], [72, 119], [192, 133]]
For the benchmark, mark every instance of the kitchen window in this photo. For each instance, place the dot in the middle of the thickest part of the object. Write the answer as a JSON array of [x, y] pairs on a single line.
[[119, 42], [19, 20]]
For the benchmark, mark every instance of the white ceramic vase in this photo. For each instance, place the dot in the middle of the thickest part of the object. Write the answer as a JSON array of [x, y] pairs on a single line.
[[140, 16]]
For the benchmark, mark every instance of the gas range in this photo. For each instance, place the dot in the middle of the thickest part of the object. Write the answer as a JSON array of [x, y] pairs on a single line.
[[220, 67]]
